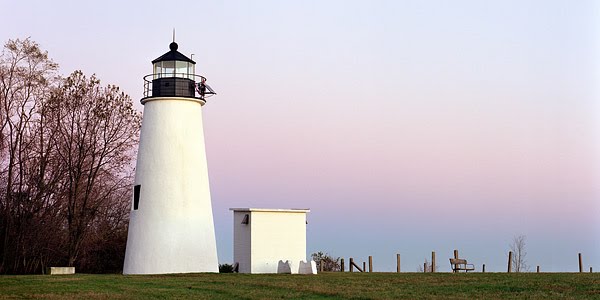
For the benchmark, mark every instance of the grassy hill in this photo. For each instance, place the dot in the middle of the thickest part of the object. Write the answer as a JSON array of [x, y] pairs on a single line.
[[322, 286]]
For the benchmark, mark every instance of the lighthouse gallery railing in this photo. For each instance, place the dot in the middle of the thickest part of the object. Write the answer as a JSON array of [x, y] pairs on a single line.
[[195, 78]]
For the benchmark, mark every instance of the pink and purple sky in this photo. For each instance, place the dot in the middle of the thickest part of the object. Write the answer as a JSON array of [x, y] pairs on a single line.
[[405, 126]]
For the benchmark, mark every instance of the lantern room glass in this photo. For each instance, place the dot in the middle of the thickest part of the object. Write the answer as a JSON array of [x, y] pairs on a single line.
[[173, 68]]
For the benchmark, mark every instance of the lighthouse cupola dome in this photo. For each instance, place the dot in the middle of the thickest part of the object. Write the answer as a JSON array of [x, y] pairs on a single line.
[[174, 75]]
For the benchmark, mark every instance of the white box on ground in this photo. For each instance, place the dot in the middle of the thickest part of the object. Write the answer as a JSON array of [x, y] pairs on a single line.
[[60, 270]]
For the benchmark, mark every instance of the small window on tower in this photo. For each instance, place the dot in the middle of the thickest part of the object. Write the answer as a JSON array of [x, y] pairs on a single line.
[[246, 219], [136, 196]]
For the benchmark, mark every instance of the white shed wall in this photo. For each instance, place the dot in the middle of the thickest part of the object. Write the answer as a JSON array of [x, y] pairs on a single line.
[[242, 242], [270, 236], [277, 236]]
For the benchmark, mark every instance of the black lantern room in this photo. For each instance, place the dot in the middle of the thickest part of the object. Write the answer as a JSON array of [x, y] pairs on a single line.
[[174, 76]]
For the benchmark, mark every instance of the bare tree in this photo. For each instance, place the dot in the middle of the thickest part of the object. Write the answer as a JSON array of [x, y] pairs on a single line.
[[66, 153], [26, 77], [519, 262], [96, 129]]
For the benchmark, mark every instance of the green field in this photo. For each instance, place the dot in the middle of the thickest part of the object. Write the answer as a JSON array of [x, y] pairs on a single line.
[[326, 285]]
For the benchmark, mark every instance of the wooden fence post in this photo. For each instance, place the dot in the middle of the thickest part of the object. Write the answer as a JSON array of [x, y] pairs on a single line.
[[370, 264], [432, 261], [398, 263], [364, 266], [537, 269], [580, 264], [424, 267], [321, 266], [509, 261], [354, 265], [455, 257], [483, 269], [342, 265], [590, 269]]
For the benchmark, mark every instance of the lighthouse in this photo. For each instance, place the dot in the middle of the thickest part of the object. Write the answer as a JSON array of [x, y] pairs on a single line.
[[171, 227]]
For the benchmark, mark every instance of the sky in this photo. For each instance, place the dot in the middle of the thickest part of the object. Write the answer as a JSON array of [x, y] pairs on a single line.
[[405, 126]]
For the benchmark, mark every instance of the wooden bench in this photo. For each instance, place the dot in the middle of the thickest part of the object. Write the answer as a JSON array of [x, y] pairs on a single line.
[[459, 264]]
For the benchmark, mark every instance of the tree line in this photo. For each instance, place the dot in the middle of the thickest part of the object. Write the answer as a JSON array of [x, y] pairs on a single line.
[[66, 165]]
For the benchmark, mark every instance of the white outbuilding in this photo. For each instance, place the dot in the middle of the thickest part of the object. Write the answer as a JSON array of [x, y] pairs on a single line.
[[270, 240]]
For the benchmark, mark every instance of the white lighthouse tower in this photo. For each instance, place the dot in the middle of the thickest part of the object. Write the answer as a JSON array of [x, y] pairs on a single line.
[[171, 227]]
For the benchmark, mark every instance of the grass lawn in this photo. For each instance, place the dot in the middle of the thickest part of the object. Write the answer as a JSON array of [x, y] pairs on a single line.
[[326, 285]]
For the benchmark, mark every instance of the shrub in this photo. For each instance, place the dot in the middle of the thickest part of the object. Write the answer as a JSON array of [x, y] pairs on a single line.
[[225, 268]]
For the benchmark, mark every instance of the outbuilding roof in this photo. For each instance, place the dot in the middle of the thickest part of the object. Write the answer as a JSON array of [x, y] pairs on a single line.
[[291, 210]]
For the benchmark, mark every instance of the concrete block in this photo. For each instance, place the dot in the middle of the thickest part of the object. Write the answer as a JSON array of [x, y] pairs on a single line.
[[308, 267], [284, 267], [60, 270]]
